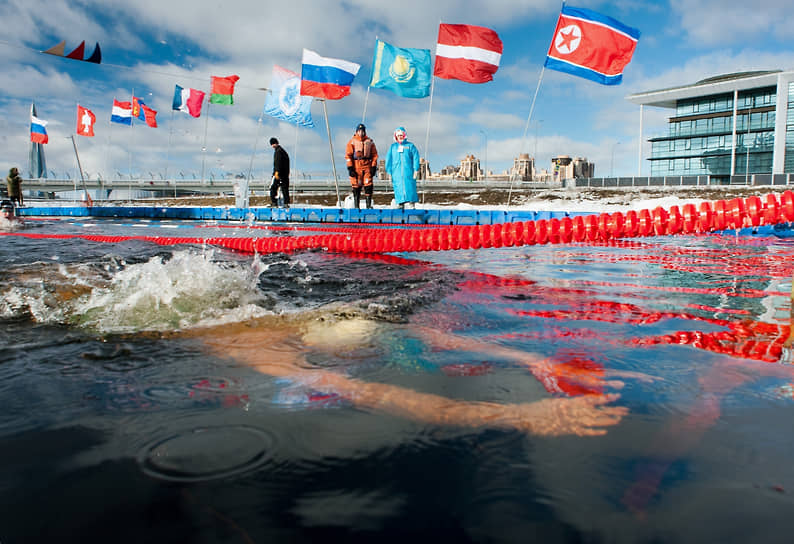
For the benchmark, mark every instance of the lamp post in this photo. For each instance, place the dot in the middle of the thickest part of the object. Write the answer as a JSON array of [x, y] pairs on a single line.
[[485, 171], [612, 160], [535, 157]]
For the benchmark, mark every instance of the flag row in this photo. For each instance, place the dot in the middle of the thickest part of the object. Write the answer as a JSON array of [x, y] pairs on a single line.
[[585, 44]]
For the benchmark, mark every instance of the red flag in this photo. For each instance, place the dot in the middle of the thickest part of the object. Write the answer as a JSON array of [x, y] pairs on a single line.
[[85, 121], [222, 91], [143, 112], [466, 52], [591, 45]]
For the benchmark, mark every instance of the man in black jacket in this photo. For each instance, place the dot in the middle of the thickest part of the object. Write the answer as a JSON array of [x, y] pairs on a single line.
[[280, 174]]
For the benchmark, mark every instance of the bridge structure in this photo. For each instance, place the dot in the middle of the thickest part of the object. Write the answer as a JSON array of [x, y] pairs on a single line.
[[227, 186]]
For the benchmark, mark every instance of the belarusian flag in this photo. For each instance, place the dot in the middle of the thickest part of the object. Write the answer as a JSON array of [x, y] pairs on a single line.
[[223, 90]]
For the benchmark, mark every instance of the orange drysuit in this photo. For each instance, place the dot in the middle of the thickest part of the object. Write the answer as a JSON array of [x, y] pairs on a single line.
[[362, 154]]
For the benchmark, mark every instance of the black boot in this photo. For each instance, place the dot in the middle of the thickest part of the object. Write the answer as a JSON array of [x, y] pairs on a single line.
[[369, 201], [357, 198]]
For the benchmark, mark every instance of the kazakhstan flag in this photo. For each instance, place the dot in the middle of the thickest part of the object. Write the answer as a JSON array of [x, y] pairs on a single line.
[[405, 72]]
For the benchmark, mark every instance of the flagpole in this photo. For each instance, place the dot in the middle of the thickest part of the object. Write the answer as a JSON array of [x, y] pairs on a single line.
[[204, 147], [295, 151], [331, 146], [79, 167], [129, 148], [168, 152], [366, 96], [526, 128], [108, 160], [253, 153]]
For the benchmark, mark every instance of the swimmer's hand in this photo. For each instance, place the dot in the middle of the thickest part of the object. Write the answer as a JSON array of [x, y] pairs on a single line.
[[582, 416]]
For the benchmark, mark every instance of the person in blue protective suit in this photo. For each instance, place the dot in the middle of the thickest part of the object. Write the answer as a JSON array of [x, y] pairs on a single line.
[[402, 164]]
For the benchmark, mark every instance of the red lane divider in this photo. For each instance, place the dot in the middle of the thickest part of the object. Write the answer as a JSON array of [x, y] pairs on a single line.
[[721, 215]]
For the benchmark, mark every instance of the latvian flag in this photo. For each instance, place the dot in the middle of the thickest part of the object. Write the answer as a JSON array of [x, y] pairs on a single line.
[[468, 53], [121, 112], [38, 130], [325, 77]]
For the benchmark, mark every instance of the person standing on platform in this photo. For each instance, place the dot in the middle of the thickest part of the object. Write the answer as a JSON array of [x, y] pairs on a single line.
[[14, 185], [361, 156], [280, 174], [402, 164]]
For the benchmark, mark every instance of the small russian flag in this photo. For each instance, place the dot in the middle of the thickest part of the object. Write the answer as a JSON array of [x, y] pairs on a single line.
[[325, 77], [38, 130]]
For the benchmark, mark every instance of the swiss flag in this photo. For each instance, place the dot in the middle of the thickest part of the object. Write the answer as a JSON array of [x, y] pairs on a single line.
[[468, 53], [85, 121]]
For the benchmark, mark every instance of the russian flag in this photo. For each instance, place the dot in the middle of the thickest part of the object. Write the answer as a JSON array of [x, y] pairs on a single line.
[[326, 78], [591, 45], [121, 113], [38, 130]]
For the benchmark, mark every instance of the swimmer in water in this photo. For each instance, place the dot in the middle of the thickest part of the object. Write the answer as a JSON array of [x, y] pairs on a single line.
[[283, 357]]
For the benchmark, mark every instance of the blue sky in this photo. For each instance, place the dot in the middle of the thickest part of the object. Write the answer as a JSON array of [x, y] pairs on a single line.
[[150, 46]]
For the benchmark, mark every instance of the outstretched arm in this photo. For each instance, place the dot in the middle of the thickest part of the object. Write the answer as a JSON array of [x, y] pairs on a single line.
[[278, 353]]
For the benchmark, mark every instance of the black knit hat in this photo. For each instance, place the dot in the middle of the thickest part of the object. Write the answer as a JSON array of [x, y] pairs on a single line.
[[273, 141]]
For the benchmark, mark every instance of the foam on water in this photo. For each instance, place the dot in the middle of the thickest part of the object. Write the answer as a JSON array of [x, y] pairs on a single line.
[[187, 289]]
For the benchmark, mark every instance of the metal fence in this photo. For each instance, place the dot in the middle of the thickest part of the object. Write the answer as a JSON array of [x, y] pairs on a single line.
[[687, 181]]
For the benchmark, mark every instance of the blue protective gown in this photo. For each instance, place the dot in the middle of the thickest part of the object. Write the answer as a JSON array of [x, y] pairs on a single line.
[[401, 165]]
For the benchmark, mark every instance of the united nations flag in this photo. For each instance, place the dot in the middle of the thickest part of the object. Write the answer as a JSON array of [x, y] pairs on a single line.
[[405, 72], [284, 100]]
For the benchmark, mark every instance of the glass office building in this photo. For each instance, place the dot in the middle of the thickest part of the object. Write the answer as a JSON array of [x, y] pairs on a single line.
[[730, 125]]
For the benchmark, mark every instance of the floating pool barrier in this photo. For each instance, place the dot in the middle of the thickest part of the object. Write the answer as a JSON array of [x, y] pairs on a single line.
[[722, 215]]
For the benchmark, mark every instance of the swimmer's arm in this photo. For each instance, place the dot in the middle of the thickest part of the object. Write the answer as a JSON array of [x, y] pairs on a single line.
[[588, 415], [538, 364]]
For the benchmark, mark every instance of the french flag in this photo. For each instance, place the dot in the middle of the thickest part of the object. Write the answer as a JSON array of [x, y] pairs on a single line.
[[325, 77], [188, 100], [121, 113], [38, 130], [591, 45], [468, 53]]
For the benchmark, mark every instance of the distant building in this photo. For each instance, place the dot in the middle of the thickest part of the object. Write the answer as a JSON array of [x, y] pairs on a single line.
[[564, 167], [733, 124], [523, 168], [470, 168], [424, 169]]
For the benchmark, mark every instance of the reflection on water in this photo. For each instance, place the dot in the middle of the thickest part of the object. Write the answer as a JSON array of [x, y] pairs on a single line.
[[226, 397]]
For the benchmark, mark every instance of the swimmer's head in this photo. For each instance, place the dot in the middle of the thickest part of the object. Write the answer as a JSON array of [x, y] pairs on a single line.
[[344, 333]]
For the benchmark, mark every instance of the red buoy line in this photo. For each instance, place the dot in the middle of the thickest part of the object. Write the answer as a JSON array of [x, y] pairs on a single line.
[[690, 219]]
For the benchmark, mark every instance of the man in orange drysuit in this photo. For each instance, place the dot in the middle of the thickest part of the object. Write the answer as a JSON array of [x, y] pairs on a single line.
[[362, 164]]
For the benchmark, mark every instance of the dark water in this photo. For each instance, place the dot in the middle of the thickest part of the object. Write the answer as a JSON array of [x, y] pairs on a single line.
[[136, 408]]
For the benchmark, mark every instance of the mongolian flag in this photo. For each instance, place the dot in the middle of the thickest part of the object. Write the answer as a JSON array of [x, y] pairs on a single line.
[[590, 45], [143, 112]]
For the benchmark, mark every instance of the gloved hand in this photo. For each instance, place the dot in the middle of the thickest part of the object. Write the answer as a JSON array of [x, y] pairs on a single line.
[[373, 170], [351, 170]]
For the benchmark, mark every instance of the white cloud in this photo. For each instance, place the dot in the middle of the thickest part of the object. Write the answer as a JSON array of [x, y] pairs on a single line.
[[714, 22]]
